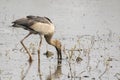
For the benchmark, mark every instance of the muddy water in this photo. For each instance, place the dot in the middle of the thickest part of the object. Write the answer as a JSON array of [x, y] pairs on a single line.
[[88, 29]]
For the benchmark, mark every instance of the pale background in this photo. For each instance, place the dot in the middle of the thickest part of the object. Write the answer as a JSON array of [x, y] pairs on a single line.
[[72, 18]]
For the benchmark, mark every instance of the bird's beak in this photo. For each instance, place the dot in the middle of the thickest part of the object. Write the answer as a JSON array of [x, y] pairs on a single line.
[[59, 55]]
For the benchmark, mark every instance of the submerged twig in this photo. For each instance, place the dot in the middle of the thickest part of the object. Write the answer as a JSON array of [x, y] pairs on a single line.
[[70, 69], [117, 75], [70, 56], [106, 68]]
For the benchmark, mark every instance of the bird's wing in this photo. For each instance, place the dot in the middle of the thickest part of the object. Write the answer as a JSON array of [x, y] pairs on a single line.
[[24, 22], [48, 19], [40, 19]]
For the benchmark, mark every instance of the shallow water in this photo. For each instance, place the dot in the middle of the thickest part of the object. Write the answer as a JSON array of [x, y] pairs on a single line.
[[89, 32]]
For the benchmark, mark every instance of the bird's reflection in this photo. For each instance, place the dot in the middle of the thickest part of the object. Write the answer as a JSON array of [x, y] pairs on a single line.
[[58, 72], [26, 72]]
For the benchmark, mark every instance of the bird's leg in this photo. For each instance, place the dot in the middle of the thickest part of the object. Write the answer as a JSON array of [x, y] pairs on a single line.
[[30, 57], [39, 71]]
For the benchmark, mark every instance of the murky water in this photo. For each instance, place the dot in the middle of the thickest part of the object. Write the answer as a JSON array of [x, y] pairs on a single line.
[[88, 29]]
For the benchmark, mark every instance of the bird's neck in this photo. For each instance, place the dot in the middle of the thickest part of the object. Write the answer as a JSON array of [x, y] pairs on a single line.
[[51, 41], [48, 39], [56, 44]]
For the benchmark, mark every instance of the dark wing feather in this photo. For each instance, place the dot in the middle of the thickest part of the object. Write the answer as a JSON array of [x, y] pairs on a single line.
[[23, 23], [48, 19], [40, 19]]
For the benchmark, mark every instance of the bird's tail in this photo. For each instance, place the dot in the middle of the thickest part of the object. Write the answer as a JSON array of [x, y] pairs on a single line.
[[15, 25]]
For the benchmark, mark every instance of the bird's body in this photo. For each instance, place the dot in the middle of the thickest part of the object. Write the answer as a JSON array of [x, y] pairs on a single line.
[[35, 24], [39, 25], [43, 28]]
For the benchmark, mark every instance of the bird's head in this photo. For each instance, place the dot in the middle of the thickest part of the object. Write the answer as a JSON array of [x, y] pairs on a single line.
[[57, 44]]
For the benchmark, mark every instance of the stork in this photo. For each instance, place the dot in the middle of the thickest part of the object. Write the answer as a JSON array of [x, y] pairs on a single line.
[[38, 25]]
